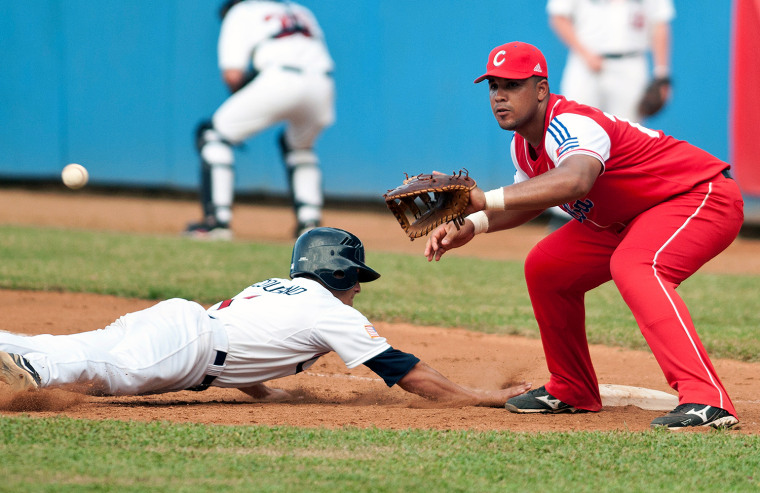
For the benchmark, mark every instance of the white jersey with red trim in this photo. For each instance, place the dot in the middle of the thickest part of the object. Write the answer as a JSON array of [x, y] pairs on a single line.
[[268, 33], [640, 167], [280, 327]]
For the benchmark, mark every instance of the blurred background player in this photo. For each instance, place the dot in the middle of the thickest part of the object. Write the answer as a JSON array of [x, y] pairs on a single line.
[[274, 60], [609, 43]]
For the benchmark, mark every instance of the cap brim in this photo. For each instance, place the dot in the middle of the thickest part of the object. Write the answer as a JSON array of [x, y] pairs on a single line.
[[367, 275], [505, 75]]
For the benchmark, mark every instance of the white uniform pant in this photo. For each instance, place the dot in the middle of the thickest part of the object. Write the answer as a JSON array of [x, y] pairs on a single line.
[[167, 347], [617, 88], [305, 100]]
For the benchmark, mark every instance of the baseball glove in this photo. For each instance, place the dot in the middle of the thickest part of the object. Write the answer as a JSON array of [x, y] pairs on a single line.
[[652, 101], [423, 202]]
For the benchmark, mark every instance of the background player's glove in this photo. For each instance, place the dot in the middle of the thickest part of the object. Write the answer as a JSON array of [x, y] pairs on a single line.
[[655, 96], [423, 201]]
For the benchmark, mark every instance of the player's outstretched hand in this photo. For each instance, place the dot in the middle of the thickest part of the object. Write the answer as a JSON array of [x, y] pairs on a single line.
[[262, 393], [447, 236], [497, 398]]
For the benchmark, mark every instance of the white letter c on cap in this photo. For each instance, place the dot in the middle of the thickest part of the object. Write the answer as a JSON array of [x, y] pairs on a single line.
[[498, 58]]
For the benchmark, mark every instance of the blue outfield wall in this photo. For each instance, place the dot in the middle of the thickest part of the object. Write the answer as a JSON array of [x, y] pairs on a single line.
[[120, 86]]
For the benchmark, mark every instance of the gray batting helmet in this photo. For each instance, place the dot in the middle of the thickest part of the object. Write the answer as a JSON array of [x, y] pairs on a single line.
[[334, 256]]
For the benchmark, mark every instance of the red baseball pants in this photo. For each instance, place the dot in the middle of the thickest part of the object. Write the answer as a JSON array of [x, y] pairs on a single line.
[[647, 261]]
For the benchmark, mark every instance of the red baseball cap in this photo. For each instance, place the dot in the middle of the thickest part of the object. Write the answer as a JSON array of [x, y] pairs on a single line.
[[515, 60]]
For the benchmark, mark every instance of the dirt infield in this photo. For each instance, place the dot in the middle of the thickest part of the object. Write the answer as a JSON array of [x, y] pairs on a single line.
[[329, 395]]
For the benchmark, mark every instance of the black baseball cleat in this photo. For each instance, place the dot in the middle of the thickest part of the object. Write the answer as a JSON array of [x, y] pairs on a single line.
[[207, 231], [16, 371], [695, 415], [539, 401]]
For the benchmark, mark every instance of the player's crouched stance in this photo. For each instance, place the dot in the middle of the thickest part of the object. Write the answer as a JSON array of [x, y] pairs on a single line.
[[272, 329], [648, 211]]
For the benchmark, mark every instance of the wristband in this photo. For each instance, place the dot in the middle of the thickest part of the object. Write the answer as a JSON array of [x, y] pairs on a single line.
[[480, 221], [495, 199]]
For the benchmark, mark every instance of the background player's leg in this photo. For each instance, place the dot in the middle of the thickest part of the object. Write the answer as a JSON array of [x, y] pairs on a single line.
[[217, 184], [623, 82], [314, 112], [305, 183], [261, 103], [559, 271]]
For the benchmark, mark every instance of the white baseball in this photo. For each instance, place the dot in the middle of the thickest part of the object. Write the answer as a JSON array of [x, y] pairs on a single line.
[[74, 176]]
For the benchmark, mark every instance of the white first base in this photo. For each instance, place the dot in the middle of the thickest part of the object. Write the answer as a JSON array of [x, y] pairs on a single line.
[[624, 395]]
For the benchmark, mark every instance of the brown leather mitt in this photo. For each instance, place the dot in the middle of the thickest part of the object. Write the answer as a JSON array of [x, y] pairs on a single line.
[[652, 101], [423, 202]]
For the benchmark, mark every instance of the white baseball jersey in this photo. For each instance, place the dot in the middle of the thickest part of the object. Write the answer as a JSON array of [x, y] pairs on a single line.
[[279, 327], [268, 33], [272, 329], [613, 26]]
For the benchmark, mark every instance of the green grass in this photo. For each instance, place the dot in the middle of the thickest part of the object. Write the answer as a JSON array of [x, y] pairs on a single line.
[[491, 297], [61, 454]]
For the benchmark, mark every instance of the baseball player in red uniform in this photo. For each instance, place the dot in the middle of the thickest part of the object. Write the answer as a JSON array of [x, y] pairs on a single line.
[[272, 329], [275, 61], [648, 209]]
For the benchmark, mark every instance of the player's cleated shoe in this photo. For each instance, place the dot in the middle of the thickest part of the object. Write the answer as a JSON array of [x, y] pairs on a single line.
[[539, 401], [693, 415], [16, 371], [206, 231]]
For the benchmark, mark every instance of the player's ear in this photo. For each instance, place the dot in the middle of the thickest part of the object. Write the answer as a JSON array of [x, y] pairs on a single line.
[[542, 88]]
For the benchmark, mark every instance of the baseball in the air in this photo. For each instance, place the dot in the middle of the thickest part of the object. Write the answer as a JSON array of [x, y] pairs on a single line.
[[74, 176]]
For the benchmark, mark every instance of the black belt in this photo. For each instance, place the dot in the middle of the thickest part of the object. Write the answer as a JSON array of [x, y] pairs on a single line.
[[299, 70], [221, 356], [727, 174], [628, 54]]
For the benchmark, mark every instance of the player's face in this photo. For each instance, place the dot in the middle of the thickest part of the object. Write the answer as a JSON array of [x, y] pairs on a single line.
[[514, 102], [347, 296]]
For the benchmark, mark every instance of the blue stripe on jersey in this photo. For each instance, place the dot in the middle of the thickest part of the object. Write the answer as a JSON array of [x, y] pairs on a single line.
[[562, 137], [558, 131], [570, 143], [561, 127]]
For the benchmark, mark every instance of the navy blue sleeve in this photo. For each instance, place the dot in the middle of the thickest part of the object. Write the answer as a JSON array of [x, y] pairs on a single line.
[[391, 365]]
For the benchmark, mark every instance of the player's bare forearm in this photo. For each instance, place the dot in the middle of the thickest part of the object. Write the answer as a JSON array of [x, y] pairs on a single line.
[[566, 183], [501, 220], [661, 49], [427, 382]]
